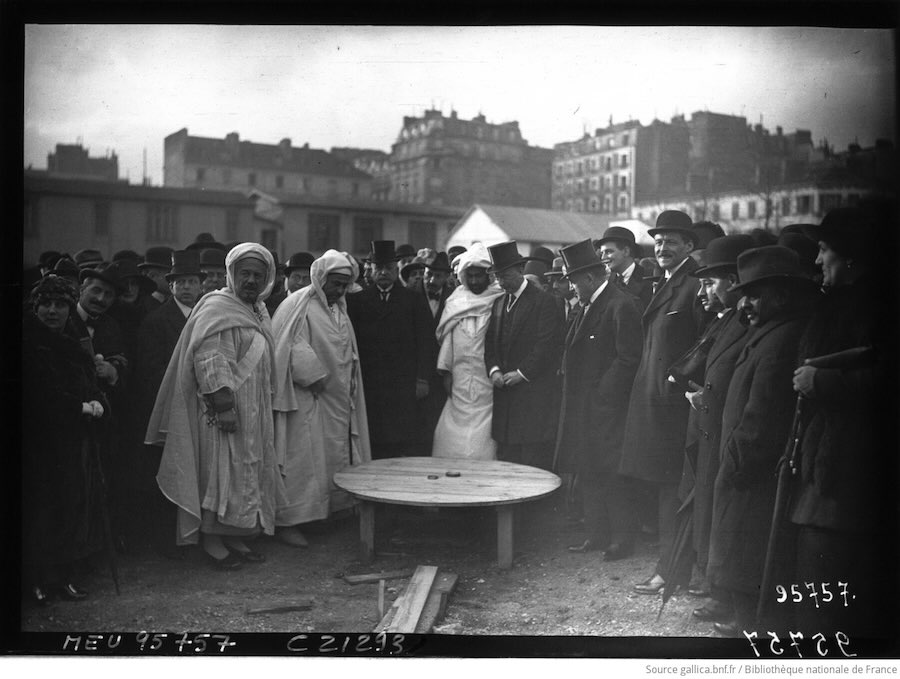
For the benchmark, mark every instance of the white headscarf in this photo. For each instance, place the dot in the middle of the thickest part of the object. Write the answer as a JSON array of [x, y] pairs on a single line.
[[332, 261], [257, 251], [463, 302]]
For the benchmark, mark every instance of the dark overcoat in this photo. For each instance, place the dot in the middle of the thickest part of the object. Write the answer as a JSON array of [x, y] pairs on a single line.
[[656, 425], [640, 287], [601, 355], [394, 340], [157, 337], [430, 407], [533, 345], [756, 423]]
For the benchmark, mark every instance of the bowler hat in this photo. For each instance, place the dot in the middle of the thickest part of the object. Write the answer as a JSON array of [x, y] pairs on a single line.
[[65, 266], [769, 263], [542, 254], [722, 253], [580, 257], [409, 267], [185, 263], [455, 251], [159, 256], [504, 255], [49, 258], [439, 262], [87, 258], [846, 230], [536, 267], [705, 232], [406, 250], [204, 241], [806, 248], [383, 252], [556, 269], [674, 220], [108, 272], [618, 234], [299, 260], [128, 268], [212, 257], [127, 254]]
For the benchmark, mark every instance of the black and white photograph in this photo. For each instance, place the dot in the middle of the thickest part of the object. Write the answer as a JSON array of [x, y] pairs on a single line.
[[485, 340]]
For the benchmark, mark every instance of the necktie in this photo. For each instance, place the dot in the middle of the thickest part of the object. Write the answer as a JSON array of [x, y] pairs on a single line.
[[620, 279], [510, 300], [656, 285], [384, 296]]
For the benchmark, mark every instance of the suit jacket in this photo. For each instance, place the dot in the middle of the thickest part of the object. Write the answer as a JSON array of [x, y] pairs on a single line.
[[430, 407], [756, 422], [157, 337], [640, 287], [657, 411], [395, 340], [601, 355], [533, 345], [108, 341]]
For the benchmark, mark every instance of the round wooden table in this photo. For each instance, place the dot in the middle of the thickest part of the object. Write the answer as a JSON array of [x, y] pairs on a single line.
[[444, 482]]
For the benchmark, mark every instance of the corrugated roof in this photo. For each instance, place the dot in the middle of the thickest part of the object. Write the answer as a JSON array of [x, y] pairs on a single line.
[[207, 151], [533, 224]]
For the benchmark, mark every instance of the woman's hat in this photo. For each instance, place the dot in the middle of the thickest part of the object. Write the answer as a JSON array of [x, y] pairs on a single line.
[[846, 230]]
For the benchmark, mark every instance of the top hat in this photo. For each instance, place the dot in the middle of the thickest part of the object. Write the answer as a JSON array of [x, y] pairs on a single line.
[[383, 252], [674, 220], [159, 256], [806, 248], [504, 255], [185, 263], [439, 262], [87, 258], [580, 257], [618, 234], [204, 241], [416, 263], [65, 266], [706, 232], [212, 257], [108, 272], [127, 254], [455, 251], [542, 254], [556, 269], [769, 263], [405, 250], [299, 260], [128, 268], [722, 253], [846, 230]]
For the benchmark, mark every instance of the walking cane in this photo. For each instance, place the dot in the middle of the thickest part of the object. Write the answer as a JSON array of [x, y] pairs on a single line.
[[104, 515]]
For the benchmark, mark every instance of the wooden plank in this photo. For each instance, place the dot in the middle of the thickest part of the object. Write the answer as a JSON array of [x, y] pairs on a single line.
[[505, 536], [380, 599], [375, 577], [285, 607], [367, 531], [414, 598], [436, 604]]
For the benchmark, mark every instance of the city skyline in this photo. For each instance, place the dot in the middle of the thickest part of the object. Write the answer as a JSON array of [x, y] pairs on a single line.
[[128, 86]]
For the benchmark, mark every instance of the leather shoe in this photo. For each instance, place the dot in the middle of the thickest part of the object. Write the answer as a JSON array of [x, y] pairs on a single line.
[[72, 593], [650, 586], [249, 556], [40, 595], [729, 629], [232, 562], [617, 551], [589, 545], [712, 612]]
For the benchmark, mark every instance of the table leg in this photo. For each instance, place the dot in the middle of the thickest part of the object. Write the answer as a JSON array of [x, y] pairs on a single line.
[[505, 536], [367, 531]]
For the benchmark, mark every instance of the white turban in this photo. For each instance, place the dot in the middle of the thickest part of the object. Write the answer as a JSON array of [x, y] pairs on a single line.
[[256, 251]]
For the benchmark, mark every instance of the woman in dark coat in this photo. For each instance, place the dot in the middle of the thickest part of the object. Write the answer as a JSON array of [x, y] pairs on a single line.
[[61, 495], [845, 497]]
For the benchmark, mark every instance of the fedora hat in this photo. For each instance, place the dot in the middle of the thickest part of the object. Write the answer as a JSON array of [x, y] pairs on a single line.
[[383, 252], [580, 257], [299, 260], [504, 255], [774, 263], [722, 253], [846, 230], [409, 267], [440, 262], [88, 258], [212, 257], [185, 263], [555, 270], [128, 268], [159, 256], [108, 272], [674, 220], [205, 240]]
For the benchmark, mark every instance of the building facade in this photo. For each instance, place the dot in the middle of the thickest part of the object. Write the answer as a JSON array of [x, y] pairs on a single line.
[[230, 164], [74, 161], [440, 160], [375, 163]]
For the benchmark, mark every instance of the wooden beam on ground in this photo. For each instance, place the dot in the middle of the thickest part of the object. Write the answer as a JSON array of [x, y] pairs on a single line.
[[380, 599], [285, 607], [404, 613], [436, 604], [375, 577]]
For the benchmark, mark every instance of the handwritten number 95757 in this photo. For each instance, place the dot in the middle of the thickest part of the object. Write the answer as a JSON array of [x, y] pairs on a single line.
[[813, 592]]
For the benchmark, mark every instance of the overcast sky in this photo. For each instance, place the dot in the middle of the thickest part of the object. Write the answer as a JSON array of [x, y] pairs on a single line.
[[124, 88]]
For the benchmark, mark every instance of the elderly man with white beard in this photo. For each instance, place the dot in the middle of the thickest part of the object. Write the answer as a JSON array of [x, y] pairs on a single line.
[[464, 428], [320, 409]]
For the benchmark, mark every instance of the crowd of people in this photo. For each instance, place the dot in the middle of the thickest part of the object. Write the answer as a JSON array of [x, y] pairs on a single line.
[[214, 393]]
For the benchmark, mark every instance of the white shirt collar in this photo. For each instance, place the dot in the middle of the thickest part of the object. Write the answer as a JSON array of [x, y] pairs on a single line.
[[81, 312], [672, 273], [186, 310], [597, 292], [521, 289], [626, 275]]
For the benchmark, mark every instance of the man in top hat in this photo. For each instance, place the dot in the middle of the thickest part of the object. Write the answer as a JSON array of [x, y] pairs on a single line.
[[88, 258], [320, 411], [655, 428], [157, 337], [297, 271], [434, 289], [756, 422], [601, 355], [157, 263], [718, 348], [619, 251], [394, 331], [521, 354], [562, 290], [212, 266]]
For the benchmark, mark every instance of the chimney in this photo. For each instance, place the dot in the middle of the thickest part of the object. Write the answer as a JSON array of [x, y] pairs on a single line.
[[778, 130], [453, 114], [284, 148]]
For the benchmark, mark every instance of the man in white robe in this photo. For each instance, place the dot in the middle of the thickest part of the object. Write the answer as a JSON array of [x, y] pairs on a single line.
[[464, 428], [213, 415], [320, 410]]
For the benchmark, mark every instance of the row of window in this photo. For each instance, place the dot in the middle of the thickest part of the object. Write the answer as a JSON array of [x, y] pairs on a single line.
[[801, 204], [303, 185], [604, 206], [593, 164]]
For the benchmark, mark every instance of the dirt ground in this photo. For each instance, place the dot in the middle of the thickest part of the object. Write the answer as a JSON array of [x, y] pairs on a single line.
[[549, 590]]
